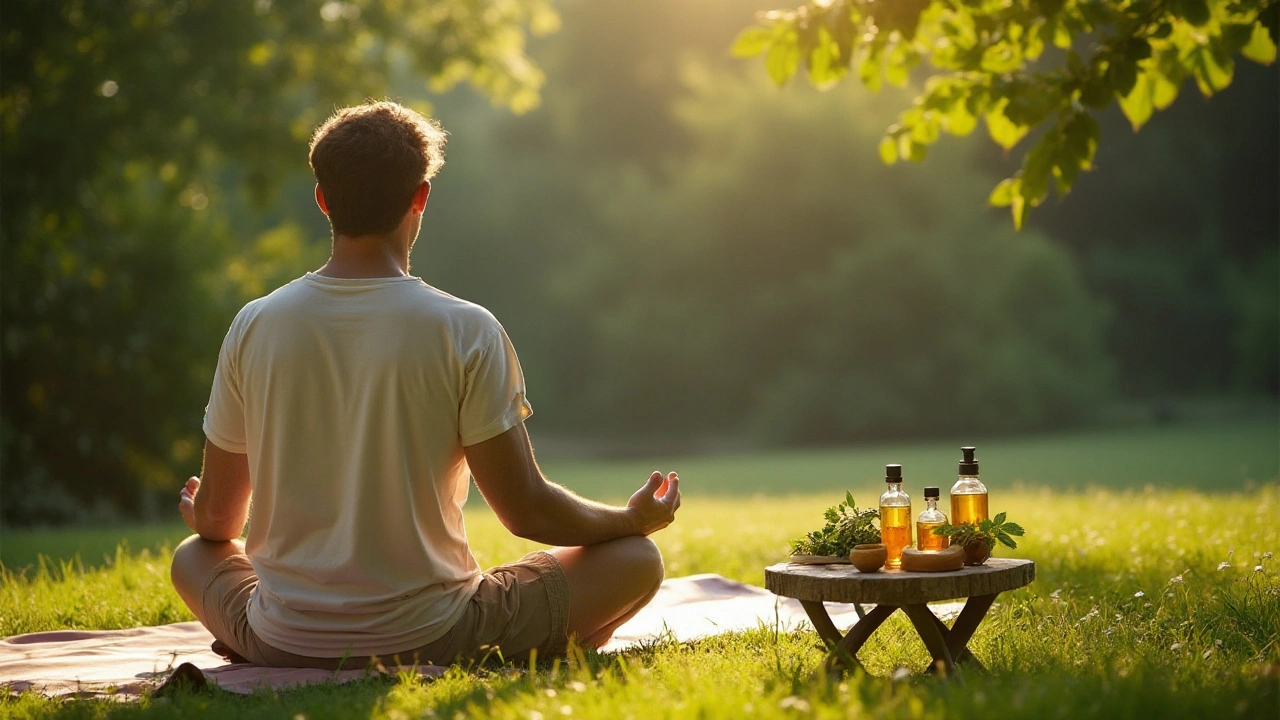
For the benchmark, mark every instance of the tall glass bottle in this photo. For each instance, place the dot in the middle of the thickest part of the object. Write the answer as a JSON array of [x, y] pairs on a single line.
[[968, 495], [929, 520], [895, 516]]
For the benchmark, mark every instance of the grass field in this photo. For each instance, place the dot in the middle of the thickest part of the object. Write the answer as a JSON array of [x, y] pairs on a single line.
[[1148, 602]]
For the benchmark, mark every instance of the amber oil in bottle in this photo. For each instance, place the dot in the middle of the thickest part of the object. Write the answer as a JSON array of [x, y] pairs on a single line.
[[929, 520], [895, 516], [968, 495]]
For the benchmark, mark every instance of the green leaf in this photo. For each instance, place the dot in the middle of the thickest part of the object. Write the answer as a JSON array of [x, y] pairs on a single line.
[[1014, 528], [959, 121], [1212, 73], [825, 68], [1260, 48], [1019, 210], [888, 150], [1004, 192], [1139, 104], [1061, 37], [869, 67], [1122, 74], [1003, 131], [1037, 168], [753, 41], [848, 498], [896, 72], [1005, 539], [783, 59], [999, 518]]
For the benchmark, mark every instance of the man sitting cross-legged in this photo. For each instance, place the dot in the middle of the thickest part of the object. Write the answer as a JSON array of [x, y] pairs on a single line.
[[349, 409]]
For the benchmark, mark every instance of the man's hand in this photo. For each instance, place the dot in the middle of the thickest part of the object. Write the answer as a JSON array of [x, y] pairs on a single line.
[[654, 505], [187, 502]]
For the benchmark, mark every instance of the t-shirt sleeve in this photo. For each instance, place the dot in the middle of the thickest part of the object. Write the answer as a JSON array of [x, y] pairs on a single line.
[[493, 399], [224, 415]]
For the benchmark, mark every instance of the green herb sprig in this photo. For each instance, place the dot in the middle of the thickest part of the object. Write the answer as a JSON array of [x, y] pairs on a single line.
[[988, 531], [846, 527]]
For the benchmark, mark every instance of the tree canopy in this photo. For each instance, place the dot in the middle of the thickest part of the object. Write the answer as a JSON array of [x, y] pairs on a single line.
[[1020, 66], [137, 136]]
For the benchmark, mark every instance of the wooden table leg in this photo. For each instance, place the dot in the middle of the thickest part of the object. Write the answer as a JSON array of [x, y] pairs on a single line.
[[926, 624], [975, 609], [960, 655], [844, 650], [817, 613]]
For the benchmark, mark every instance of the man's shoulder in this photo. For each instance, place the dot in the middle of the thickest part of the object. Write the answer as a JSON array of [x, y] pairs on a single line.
[[452, 305]]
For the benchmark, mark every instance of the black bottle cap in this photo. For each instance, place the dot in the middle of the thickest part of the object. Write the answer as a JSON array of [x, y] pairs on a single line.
[[931, 492], [893, 473], [968, 466]]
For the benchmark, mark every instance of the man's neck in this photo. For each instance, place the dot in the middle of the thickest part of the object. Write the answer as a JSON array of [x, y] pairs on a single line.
[[366, 257]]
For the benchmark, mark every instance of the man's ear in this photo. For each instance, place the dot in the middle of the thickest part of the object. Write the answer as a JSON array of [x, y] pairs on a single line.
[[419, 197], [324, 207]]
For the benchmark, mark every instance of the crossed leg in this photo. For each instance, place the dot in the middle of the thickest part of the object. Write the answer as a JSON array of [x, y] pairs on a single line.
[[608, 584], [193, 562]]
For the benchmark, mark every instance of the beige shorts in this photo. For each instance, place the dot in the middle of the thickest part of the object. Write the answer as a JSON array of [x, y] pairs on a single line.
[[518, 608]]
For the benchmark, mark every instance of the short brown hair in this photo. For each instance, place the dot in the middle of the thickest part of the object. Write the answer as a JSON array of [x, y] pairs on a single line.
[[369, 160]]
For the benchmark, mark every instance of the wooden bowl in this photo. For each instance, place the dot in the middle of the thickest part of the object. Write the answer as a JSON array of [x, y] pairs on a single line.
[[869, 558]]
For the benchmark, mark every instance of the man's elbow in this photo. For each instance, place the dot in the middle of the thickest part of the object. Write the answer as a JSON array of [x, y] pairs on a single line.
[[525, 524], [528, 518], [216, 529]]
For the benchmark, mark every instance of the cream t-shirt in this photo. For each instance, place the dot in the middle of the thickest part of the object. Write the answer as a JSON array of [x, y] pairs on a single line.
[[353, 399]]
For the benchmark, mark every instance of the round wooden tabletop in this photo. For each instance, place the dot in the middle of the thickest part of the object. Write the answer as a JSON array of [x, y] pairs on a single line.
[[843, 583]]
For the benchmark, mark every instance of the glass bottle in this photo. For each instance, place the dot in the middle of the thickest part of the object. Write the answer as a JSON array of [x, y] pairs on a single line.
[[895, 516], [968, 495], [930, 519]]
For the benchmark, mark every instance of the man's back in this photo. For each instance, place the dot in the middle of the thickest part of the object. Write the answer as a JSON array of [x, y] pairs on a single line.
[[349, 409], [353, 398]]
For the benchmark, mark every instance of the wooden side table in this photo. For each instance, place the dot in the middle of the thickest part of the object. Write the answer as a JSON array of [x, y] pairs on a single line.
[[892, 590]]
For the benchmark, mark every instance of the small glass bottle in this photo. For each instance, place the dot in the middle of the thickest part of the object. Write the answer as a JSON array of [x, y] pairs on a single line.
[[895, 516], [929, 520], [968, 495]]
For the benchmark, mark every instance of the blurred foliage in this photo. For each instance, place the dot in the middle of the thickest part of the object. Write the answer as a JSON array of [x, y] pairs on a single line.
[[778, 277], [995, 61], [129, 130]]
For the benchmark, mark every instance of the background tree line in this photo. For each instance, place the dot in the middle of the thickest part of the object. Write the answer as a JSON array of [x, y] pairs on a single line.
[[683, 254]]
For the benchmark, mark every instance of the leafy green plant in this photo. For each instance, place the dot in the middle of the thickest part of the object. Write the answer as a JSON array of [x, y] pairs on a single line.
[[987, 532], [989, 63], [846, 527]]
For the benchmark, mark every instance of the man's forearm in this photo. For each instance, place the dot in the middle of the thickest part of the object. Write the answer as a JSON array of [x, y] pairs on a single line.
[[558, 516]]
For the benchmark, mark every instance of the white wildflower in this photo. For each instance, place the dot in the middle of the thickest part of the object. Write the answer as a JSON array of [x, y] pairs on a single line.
[[1176, 580], [900, 674], [1257, 568], [535, 715], [1207, 653], [1139, 594], [1217, 643], [551, 692], [796, 703], [1176, 646], [1055, 593], [1266, 556], [578, 686], [566, 710], [1223, 565]]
